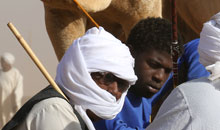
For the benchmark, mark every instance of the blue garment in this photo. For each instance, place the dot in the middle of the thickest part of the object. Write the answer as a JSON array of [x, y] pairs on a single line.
[[133, 116], [136, 111]]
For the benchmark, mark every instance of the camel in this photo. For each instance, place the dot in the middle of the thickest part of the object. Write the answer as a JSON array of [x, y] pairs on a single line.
[[191, 15], [65, 21]]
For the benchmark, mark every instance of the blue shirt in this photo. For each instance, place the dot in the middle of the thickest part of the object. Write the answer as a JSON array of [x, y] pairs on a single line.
[[136, 111]]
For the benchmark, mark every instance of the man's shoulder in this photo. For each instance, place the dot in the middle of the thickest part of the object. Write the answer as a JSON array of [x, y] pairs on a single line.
[[193, 43], [202, 98], [195, 84], [16, 72], [51, 103], [196, 90], [54, 113], [48, 98], [191, 48]]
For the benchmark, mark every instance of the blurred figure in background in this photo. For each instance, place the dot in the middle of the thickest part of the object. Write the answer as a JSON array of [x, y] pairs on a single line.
[[11, 88]]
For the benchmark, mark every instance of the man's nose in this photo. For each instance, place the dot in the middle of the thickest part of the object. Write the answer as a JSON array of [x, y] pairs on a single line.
[[113, 89], [159, 75]]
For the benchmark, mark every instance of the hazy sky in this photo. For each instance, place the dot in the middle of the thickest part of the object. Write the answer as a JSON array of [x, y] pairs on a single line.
[[28, 17]]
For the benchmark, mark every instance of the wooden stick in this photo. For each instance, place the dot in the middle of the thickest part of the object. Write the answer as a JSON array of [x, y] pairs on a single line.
[[34, 58], [175, 45], [86, 13]]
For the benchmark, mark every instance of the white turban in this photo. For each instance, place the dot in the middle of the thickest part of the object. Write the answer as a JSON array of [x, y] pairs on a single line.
[[8, 57], [209, 45], [96, 51]]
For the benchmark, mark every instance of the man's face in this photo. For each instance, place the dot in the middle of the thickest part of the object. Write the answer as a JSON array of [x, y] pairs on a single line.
[[5, 65], [110, 83], [152, 69]]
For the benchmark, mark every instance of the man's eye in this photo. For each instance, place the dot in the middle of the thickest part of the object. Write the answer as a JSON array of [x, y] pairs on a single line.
[[109, 78], [123, 85], [153, 65]]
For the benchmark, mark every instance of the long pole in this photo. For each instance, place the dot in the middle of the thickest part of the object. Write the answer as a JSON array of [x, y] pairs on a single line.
[[175, 46], [34, 58], [86, 13]]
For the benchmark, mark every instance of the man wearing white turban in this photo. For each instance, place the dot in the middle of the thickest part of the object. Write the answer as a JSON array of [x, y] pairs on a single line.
[[11, 88], [95, 74], [195, 105]]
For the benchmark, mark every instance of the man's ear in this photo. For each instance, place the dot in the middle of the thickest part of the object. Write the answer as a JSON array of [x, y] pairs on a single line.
[[131, 50]]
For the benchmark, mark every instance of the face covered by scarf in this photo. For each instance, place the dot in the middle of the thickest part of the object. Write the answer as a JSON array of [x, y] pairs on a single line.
[[209, 46], [96, 51]]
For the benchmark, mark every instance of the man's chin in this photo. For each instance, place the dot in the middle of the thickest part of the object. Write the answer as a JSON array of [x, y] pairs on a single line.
[[145, 94], [148, 95], [149, 91], [146, 91]]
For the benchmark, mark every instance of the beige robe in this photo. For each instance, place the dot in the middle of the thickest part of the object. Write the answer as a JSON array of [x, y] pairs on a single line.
[[11, 93], [51, 114]]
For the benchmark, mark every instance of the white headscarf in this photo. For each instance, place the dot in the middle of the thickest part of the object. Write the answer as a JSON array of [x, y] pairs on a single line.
[[96, 51], [8, 57], [209, 46]]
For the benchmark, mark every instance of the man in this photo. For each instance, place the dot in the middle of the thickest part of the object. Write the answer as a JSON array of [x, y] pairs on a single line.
[[150, 42], [11, 88], [194, 105], [94, 74]]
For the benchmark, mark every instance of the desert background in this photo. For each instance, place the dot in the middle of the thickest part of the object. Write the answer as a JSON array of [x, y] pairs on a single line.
[[28, 17]]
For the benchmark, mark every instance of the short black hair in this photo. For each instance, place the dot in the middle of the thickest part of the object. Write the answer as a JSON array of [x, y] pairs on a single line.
[[152, 33]]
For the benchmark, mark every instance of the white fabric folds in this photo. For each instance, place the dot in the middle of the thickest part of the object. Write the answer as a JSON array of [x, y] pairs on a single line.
[[96, 51], [209, 45], [215, 71]]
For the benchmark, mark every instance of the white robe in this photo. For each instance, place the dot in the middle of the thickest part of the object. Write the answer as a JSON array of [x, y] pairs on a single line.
[[11, 93], [194, 105]]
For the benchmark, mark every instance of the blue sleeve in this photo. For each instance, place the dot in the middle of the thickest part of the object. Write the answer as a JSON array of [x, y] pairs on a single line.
[[191, 57]]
